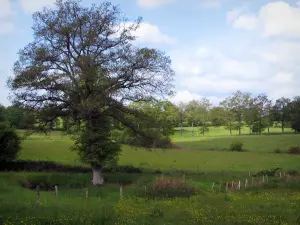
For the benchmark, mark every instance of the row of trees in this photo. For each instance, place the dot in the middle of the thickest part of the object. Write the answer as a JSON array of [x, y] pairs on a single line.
[[241, 108], [15, 117]]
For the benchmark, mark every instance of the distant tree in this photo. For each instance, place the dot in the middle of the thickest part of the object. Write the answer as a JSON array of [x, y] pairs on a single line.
[[83, 67], [263, 105], [251, 116], [20, 118], [229, 115], [295, 114], [204, 107], [236, 106], [282, 111], [240, 102], [14, 116], [182, 115], [218, 116], [192, 114]]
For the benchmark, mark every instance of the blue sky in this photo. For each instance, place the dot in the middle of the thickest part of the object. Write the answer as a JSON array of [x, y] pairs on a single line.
[[216, 46]]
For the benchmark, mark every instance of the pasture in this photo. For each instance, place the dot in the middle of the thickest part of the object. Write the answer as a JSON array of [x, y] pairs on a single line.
[[205, 161]]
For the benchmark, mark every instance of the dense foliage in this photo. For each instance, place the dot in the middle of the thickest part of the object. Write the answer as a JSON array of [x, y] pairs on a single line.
[[9, 144], [84, 68]]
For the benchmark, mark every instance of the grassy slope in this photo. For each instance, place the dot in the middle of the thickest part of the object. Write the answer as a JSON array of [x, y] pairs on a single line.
[[57, 148]]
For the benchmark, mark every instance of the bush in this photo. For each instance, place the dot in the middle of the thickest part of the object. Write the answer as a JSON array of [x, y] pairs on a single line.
[[9, 144], [236, 147], [270, 172], [277, 150], [294, 150], [170, 188]]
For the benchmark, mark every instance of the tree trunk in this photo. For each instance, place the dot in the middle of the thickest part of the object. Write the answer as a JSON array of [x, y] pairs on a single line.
[[282, 126], [239, 128], [181, 130], [193, 128], [260, 125], [97, 176], [268, 130]]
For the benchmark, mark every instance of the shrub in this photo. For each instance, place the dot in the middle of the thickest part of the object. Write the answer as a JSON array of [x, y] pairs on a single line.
[[236, 146], [9, 144], [170, 188], [277, 150], [270, 172], [294, 150]]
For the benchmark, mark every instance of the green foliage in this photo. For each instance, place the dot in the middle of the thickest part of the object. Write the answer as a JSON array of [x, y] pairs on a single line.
[[90, 95], [203, 130], [170, 188], [259, 126], [94, 144], [295, 114], [218, 116], [9, 144], [236, 146], [270, 172]]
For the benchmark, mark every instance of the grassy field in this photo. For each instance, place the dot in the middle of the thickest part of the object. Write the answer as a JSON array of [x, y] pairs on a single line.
[[220, 139], [56, 148], [275, 202]]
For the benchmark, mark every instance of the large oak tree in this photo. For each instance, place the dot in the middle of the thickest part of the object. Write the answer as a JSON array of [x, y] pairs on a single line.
[[84, 67]]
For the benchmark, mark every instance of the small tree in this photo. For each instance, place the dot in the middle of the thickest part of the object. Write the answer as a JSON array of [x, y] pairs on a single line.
[[9, 144], [282, 111], [295, 114]]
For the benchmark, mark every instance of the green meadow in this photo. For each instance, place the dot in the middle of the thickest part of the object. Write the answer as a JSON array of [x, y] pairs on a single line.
[[205, 160]]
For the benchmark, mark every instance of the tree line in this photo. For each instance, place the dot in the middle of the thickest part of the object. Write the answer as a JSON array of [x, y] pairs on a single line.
[[240, 109], [258, 113]]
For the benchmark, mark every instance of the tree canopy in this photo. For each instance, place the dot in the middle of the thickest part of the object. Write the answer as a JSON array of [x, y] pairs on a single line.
[[83, 66]]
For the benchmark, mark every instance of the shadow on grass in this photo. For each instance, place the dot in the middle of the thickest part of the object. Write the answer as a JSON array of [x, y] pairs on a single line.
[[47, 166]]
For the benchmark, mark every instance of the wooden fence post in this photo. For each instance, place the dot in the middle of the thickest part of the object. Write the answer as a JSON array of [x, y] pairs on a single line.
[[213, 185], [86, 193], [121, 192], [56, 191], [38, 194]]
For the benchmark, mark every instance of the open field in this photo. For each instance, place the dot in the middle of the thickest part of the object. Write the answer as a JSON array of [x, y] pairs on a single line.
[[219, 139], [56, 148], [275, 202]]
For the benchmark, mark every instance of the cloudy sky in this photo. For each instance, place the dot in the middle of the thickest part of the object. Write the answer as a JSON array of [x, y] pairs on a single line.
[[216, 46]]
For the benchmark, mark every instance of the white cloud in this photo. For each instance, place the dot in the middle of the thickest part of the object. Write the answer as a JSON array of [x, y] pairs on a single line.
[[280, 19], [5, 9], [266, 67], [150, 4], [248, 22], [186, 96], [6, 27], [149, 33], [275, 19], [30, 6]]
